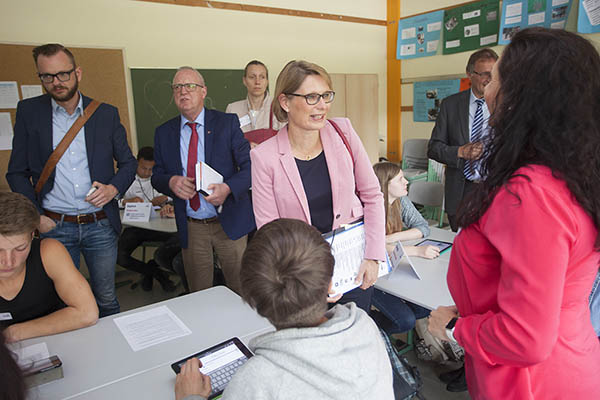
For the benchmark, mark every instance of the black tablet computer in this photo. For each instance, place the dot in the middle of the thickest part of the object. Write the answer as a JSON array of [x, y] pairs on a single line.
[[219, 362], [443, 246]]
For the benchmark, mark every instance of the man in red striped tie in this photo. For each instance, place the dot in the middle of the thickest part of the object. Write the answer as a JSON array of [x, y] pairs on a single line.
[[217, 222]]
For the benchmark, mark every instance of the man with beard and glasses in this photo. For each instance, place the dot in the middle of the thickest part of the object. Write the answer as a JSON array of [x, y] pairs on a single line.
[[83, 219]]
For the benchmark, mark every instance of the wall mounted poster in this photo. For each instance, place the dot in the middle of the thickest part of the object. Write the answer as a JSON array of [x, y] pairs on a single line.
[[520, 14], [588, 20], [427, 97], [419, 36], [471, 26]]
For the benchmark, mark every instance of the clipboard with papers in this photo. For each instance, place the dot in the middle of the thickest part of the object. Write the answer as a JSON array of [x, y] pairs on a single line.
[[348, 248]]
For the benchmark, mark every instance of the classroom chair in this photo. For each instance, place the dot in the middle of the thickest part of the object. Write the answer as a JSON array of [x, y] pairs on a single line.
[[415, 162], [431, 196]]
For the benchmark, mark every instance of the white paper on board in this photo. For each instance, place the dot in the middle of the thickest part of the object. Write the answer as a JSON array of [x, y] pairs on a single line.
[[434, 26], [452, 43], [484, 41], [592, 9], [559, 2], [558, 25], [537, 18], [409, 33], [432, 46], [514, 9], [513, 20], [9, 95], [472, 14], [6, 131], [29, 91], [472, 30], [408, 49]]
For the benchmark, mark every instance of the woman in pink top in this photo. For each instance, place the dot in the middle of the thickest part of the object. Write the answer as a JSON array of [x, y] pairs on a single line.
[[523, 265], [307, 172]]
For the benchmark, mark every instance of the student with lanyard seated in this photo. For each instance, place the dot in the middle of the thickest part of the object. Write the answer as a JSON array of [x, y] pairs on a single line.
[[41, 291], [254, 112], [141, 191]]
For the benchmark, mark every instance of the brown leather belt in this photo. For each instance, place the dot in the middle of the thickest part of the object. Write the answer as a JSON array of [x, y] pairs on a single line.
[[211, 220], [78, 219]]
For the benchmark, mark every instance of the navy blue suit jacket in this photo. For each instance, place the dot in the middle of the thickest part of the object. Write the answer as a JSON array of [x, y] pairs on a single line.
[[226, 151], [105, 140]]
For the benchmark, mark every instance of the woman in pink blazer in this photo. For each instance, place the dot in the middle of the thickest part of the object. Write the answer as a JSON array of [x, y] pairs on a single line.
[[307, 172], [523, 265]]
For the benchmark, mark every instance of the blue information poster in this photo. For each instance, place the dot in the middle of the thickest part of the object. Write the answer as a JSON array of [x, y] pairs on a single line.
[[427, 97], [520, 14], [588, 20], [419, 36]]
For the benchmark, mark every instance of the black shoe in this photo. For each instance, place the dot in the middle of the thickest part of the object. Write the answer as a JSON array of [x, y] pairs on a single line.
[[147, 283], [166, 284], [459, 384], [449, 376]]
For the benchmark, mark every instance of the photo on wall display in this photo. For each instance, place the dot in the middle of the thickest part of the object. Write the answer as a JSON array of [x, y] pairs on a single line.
[[419, 36], [427, 97], [521, 14], [471, 26]]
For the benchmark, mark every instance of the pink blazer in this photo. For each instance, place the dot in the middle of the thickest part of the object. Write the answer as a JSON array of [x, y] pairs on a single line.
[[277, 190]]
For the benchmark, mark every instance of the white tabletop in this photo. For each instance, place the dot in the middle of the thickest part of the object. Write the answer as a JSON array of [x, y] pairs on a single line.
[[155, 224], [98, 356], [432, 290]]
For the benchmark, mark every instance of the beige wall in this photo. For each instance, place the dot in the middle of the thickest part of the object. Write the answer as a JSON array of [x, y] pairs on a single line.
[[428, 68], [168, 36]]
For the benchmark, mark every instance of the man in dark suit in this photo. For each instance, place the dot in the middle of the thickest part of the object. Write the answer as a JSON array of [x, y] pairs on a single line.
[[83, 222], [221, 220], [460, 131]]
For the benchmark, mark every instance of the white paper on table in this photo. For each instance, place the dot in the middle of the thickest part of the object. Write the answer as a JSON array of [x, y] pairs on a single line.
[[409, 33], [29, 354], [9, 95], [513, 10], [408, 49], [206, 176], [138, 212], [536, 18], [434, 26], [592, 9], [452, 43], [487, 40], [29, 91], [513, 20], [432, 45], [472, 30], [148, 328], [6, 131]]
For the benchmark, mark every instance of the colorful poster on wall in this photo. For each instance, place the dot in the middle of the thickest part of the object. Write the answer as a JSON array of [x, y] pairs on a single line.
[[419, 36], [427, 97], [588, 20], [471, 26], [520, 14]]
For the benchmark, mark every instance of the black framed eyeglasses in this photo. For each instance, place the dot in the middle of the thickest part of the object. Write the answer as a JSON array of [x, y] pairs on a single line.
[[189, 86], [314, 98], [484, 75], [62, 76]]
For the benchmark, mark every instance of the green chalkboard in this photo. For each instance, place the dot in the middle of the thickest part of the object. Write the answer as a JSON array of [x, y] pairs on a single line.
[[153, 97]]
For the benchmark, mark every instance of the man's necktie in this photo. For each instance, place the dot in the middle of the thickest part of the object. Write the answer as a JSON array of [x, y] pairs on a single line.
[[191, 163], [476, 133]]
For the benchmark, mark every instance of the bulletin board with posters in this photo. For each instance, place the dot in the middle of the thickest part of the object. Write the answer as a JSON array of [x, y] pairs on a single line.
[[471, 26], [521, 14], [103, 79]]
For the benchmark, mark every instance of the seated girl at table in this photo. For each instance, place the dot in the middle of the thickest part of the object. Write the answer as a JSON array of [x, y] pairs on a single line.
[[41, 291], [396, 315]]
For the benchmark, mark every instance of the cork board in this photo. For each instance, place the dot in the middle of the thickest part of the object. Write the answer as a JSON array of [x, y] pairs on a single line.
[[103, 78]]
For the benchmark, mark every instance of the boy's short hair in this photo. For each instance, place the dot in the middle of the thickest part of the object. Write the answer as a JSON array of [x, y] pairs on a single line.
[[147, 153], [286, 271]]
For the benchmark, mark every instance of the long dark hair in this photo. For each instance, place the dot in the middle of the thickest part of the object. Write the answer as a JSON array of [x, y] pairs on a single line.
[[547, 112], [11, 377]]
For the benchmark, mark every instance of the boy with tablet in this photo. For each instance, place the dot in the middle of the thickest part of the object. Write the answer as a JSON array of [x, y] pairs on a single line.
[[315, 352]]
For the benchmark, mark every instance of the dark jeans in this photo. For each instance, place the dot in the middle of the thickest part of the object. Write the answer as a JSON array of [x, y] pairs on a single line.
[[397, 315], [168, 256], [131, 238], [362, 298]]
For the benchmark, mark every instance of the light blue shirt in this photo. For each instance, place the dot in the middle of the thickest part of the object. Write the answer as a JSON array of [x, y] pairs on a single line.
[[206, 209], [72, 181], [485, 128]]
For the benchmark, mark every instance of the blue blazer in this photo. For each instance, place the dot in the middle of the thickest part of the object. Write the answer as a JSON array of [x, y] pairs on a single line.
[[225, 150], [105, 140]]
